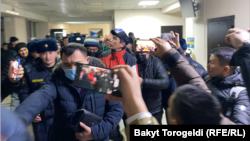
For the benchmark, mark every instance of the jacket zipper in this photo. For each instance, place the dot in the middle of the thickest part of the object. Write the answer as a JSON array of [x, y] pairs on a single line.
[[82, 99]]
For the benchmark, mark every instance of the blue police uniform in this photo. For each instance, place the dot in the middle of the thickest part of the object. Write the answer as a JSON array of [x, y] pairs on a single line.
[[34, 79], [197, 66], [29, 61]]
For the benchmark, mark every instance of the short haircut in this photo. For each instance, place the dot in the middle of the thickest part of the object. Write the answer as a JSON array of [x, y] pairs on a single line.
[[193, 105], [48, 36], [70, 48], [65, 38], [224, 54]]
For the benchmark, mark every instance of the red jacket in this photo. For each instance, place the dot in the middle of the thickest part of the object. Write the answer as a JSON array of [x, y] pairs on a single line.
[[112, 59]]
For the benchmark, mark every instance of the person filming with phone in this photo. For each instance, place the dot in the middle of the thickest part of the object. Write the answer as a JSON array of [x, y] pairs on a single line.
[[68, 98]]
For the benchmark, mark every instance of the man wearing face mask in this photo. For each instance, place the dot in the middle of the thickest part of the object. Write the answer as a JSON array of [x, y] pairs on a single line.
[[67, 99], [153, 78], [92, 46], [34, 79]]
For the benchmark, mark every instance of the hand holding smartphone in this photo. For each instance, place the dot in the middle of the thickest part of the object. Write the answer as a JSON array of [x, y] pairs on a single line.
[[98, 79], [145, 46], [167, 36], [15, 65]]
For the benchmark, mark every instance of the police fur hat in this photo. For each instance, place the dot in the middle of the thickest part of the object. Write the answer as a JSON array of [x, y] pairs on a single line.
[[32, 45], [20, 45], [48, 44], [76, 39], [183, 43]]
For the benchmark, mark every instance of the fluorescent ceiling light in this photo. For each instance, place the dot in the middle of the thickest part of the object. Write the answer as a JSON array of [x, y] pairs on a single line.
[[148, 2], [94, 11], [93, 3], [12, 12]]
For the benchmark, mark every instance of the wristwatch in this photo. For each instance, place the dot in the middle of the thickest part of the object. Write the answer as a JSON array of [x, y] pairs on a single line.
[[246, 42]]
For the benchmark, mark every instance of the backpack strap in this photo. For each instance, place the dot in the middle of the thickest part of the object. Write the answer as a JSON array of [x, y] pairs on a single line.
[[234, 94]]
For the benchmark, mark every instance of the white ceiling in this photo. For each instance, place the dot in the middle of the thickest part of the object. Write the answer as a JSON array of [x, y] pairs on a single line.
[[80, 8]]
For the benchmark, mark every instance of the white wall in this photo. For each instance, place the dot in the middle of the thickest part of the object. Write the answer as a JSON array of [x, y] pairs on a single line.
[[42, 29], [15, 26], [23, 13], [197, 27], [146, 23]]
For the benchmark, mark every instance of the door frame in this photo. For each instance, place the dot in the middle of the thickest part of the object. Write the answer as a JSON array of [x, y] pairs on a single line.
[[232, 17]]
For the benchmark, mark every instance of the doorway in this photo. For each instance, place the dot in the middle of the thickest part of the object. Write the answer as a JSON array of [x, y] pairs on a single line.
[[216, 31], [176, 29]]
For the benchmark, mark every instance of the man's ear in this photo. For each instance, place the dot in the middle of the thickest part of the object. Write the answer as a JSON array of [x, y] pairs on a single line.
[[227, 69], [88, 59], [122, 44]]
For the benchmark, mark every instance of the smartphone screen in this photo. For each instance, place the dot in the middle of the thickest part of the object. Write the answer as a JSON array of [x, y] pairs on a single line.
[[15, 65], [166, 36], [97, 79], [145, 46]]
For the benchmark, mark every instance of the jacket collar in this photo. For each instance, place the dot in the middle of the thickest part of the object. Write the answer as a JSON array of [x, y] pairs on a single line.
[[232, 80], [117, 55], [39, 63]]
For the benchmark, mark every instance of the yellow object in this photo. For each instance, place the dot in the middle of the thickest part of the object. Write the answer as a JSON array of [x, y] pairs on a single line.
[[37, 80]]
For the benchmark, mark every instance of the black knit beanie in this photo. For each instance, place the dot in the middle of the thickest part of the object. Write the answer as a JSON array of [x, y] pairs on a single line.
[[13, 39], [19, 46]]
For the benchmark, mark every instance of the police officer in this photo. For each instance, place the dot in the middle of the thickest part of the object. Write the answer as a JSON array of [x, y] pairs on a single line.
[[76, 39], [41, 72], [32, 46]]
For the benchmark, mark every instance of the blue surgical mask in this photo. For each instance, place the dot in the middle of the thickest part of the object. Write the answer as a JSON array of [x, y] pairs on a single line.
[[70, 73]]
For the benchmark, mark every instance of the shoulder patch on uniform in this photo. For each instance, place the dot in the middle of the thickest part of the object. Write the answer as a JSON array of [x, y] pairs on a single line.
[[37, 80], [195, 64], [169, 72]]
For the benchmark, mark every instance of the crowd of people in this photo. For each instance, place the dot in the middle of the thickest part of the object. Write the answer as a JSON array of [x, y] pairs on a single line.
[[167, 78]]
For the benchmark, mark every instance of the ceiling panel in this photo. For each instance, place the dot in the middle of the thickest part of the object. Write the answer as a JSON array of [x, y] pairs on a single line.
[[76, 8]]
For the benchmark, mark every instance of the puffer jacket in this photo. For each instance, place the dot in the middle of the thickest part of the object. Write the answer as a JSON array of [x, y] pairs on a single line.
[[66, 98], [7, 87], [34, 80], [155, 78], [221, 87], [242, 58], [197, 66]]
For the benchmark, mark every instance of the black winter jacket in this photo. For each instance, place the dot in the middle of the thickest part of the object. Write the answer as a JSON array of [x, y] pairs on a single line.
[[7, 87], [155, 78], [67, 99], [221, 87], [242, 58]]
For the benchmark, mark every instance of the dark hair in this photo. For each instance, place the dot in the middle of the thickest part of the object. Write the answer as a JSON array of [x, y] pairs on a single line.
[[48, 36], [193, 105], [83, 36], [224, 54], [70, 48], [65, 38]]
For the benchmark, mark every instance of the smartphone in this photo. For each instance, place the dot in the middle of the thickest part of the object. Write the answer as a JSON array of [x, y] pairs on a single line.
[[167, 36], [15, 65], [145, 46], [98, 79]]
